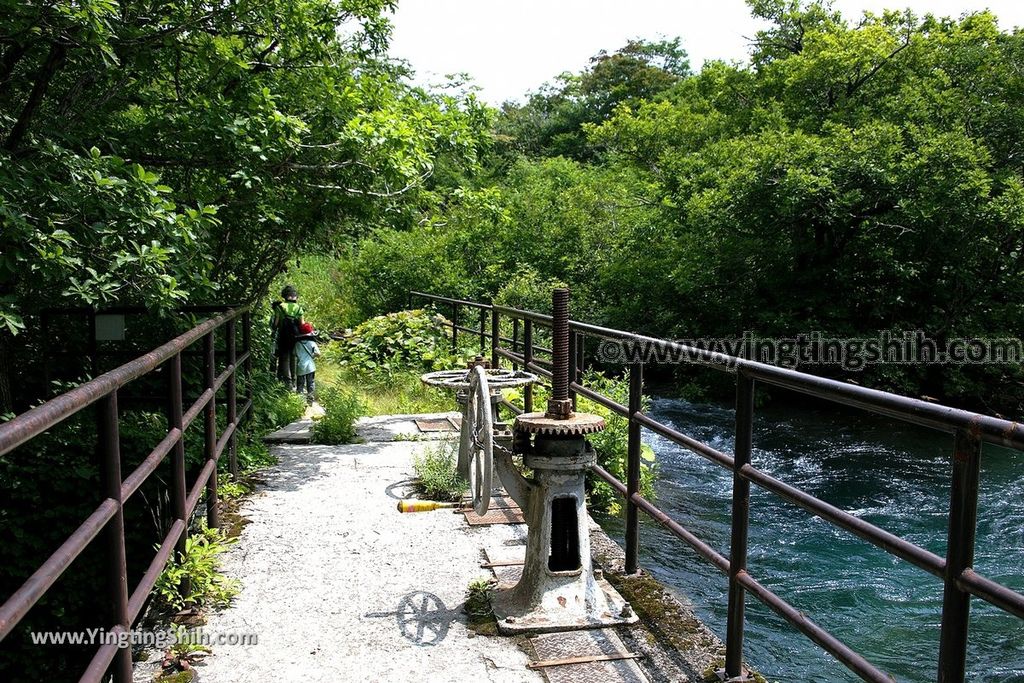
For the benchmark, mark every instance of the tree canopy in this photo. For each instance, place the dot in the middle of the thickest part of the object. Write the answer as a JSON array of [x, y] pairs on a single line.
[[554, 119], [853, 177], [160, 152]]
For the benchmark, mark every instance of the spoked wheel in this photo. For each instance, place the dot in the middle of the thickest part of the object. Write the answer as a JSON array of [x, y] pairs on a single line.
[[497, 378], [476, 441]]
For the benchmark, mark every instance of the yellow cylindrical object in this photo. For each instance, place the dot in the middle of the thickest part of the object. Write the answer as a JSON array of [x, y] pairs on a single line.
[[423, 505]]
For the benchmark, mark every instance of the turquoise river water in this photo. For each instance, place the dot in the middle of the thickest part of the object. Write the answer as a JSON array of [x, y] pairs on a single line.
[[891, 474]]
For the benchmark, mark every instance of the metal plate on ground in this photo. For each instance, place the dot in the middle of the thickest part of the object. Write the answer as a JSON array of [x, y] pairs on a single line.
[[443, 424], [506, 515], [568, 644], [507, 574], [502, 510]]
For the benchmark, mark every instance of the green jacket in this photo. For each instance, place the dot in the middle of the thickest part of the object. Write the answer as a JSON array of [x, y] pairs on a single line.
[[291, 309]]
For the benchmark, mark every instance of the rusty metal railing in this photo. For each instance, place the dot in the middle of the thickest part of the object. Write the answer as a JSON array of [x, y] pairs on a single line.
[[107, 519], [455, 308], [970, 431]]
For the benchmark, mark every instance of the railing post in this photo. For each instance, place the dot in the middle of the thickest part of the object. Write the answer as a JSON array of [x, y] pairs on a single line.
[[247, 350], [179, 495], [963, 520], [210, 432], [636, 379], [740, 518], [483, 330], [573, 377], [455, 328], [581, 339], [515, 340], [117, 567], [527, 359], [232, 399], [495, 338]]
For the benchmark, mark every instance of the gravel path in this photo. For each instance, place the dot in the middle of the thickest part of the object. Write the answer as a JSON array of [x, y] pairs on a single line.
[[339, 587]]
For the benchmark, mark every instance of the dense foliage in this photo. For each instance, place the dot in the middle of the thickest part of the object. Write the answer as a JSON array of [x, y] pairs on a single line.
[[852, 178], [396, 342], [342, 409], [436, 476], [160, 153]]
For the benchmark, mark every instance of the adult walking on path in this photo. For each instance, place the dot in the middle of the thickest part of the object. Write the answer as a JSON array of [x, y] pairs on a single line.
[[285, 324]]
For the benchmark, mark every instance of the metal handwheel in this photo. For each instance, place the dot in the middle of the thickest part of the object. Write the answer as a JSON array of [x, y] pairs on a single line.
[[476, 442], [497, 378], [476, 389]]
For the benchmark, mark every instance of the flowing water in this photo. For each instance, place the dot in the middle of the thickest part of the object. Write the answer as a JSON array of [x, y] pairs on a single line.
[[893, 475]]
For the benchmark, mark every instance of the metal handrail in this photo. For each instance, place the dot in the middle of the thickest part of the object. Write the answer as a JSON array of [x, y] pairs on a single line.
[[969, 429], [451, 300], [108, 518]]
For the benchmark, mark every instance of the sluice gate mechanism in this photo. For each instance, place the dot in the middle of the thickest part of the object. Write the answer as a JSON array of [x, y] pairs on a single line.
[[558, 589]]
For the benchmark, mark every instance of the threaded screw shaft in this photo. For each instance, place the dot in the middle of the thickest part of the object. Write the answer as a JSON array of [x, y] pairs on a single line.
[[560, 344]]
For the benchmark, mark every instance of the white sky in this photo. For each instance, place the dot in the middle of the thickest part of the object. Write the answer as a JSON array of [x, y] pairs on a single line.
[[510, 47]]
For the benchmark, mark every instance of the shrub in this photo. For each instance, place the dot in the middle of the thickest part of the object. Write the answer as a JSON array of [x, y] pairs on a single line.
[[273, 405], [201, 565], [341, 410], [478, 600], [528, 290], [228, 488], [408, 340], [324, 291], [435, 469], [254, 455]]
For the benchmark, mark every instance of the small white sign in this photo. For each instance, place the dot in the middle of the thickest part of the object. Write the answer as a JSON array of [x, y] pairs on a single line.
[[110, 327]]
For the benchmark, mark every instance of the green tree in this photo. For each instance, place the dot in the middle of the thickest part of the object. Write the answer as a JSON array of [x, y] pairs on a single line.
[[158, 153], [854, 179], [554, 119]]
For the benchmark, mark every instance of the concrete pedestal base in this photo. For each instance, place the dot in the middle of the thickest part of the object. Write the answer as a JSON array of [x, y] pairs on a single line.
[[556, 612]]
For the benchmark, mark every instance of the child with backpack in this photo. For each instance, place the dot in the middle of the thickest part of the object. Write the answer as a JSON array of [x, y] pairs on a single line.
[[306, 350], [285, 324]]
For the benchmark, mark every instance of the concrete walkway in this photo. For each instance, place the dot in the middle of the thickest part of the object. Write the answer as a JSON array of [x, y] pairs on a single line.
[[339, 586]]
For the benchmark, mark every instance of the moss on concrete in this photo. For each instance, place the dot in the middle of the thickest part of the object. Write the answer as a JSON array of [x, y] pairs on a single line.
[[658, 608], [480, 616]]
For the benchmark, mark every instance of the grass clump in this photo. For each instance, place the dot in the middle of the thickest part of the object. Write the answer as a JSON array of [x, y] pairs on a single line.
[[342, 408], [273, 405], [435, 471], [254, 455], [208, 587], [394, 394], [478, 606], [228, 489]]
